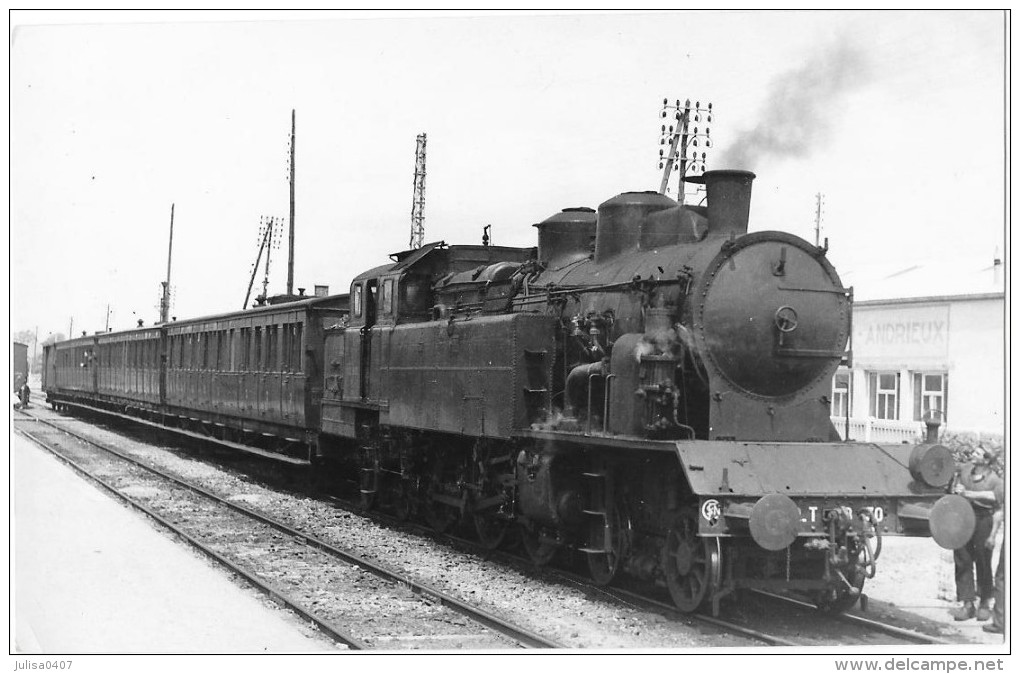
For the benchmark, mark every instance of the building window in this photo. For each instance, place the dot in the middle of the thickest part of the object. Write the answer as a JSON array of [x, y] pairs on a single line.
[[841, 394], [884, 394], [930, 395]]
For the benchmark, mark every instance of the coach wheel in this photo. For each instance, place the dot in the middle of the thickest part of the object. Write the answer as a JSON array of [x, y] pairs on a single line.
[[690, 563], [540, 551], [611, 536]]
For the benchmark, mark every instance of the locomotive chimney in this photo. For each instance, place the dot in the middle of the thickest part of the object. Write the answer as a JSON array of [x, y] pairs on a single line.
[[729, 201]]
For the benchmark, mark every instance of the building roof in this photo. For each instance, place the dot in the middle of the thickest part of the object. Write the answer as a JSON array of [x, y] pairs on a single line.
[[926, 280]]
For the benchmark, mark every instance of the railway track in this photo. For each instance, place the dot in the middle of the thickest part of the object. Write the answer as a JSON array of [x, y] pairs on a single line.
[[301, 572], [803, 626]]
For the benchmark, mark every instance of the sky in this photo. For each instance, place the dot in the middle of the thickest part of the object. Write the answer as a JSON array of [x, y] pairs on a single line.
[[897, 118]]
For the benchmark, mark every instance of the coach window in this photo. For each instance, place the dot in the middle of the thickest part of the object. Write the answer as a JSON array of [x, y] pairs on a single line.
[[245, 349], [257, 363], [272, 347], [884, 393], [296, 358], [357, 300]]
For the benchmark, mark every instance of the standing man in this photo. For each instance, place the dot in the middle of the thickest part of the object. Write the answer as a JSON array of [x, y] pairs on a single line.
[[998, 624], [976, 482]]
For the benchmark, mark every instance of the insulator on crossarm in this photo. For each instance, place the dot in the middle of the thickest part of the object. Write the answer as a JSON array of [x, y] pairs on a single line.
[[697, 118], [710, 118], [695, 143], [661, 152], [671, 129], [663, 113], [660, 164], [687, 103], [665, 101], [663, 128]]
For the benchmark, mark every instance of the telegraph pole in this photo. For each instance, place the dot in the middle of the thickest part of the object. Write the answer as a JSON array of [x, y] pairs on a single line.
[[818, 217], [681, 139], [418, 199], [290, 258], [164, 303]]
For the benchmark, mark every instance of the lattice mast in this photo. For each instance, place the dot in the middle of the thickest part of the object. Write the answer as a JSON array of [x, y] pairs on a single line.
[[684, 140], [418, 200]]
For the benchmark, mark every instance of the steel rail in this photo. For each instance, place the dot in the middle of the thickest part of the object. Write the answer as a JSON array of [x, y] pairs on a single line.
[[522, 635], [264, 587], [861, 621]]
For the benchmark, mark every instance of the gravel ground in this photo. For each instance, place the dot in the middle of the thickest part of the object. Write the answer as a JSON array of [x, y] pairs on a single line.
[[914, 584]]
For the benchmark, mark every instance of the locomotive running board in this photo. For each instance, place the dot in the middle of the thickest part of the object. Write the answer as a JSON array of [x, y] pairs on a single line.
[[198, 436]]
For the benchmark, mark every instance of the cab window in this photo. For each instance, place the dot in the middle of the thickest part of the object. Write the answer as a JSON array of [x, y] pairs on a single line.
[[357, 300], [387, 297]]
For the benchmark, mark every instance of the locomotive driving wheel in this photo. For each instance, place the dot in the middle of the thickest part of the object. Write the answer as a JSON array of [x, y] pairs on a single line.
[[489, 468], [440, 516], [690, 563], [541, 551]]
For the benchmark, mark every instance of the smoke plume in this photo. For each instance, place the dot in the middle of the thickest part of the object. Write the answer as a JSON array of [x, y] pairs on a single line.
[[801, 108]]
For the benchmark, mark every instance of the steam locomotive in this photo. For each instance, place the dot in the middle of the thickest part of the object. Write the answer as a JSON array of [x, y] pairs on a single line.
[[649, 388]]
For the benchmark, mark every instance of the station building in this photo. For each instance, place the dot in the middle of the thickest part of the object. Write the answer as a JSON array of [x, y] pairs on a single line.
[[918, 354]]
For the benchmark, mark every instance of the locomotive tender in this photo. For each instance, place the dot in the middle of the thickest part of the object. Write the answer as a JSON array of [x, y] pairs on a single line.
[[657, 402]]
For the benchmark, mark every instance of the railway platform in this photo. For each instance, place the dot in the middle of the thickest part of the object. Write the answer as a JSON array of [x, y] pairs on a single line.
[[92, 576]]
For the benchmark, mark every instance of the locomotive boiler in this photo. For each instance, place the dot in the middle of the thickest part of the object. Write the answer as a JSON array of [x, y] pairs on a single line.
[[649, 389]]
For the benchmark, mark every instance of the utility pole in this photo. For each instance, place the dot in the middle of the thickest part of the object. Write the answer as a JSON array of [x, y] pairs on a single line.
[[269, 246], [107, 317], [164, 302], [70, 329], [818, 217], [35, 350], [290, 257], [681, 139], [418, 199]]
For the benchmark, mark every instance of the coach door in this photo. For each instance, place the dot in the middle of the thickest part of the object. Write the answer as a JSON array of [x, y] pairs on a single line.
[[371, 287]]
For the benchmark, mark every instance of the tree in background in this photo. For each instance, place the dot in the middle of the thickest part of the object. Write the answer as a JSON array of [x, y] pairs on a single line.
[[28, 337]]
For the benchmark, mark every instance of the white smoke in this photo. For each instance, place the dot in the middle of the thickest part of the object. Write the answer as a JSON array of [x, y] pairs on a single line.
[[801, 108]]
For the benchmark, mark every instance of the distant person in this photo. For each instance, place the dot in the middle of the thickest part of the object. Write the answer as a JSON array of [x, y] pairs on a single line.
[[25, 394], [976, 481], [998, 624]]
